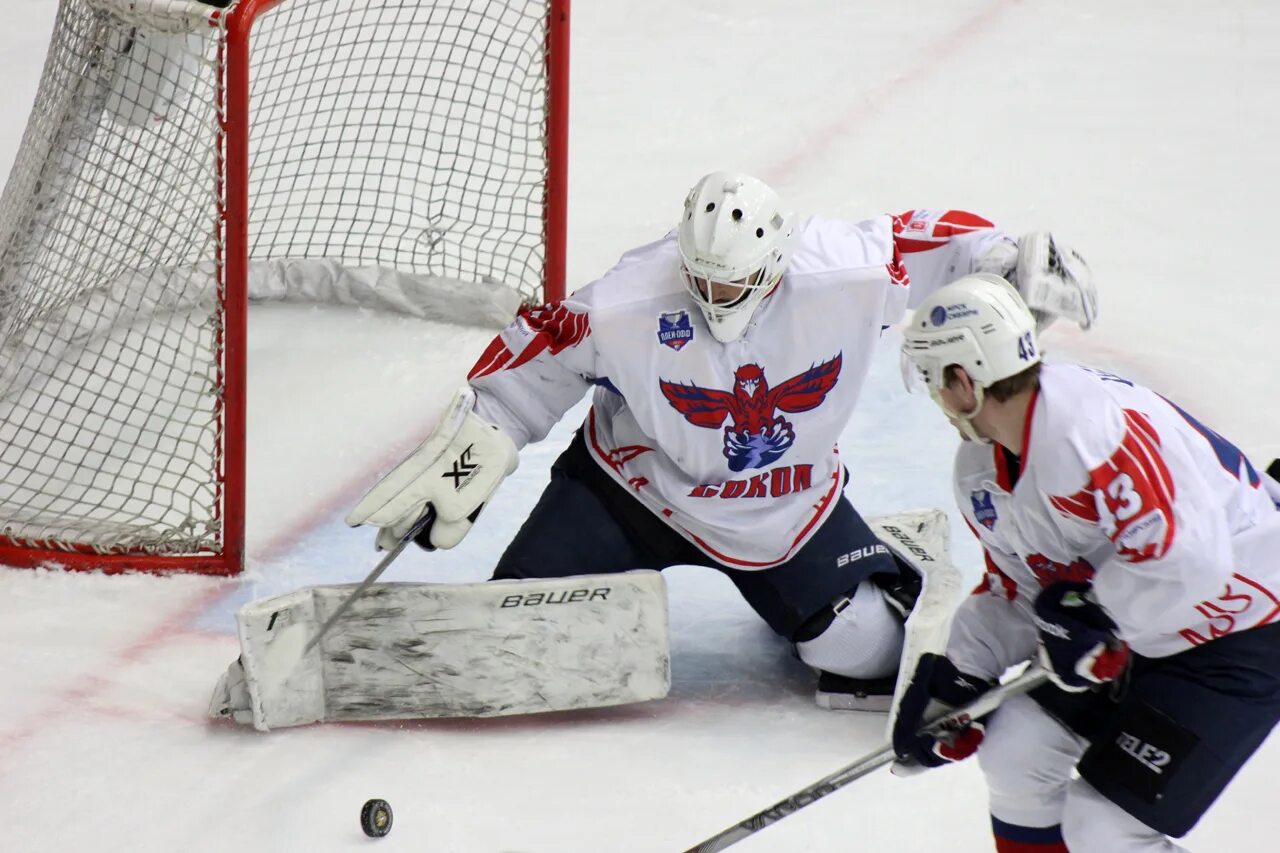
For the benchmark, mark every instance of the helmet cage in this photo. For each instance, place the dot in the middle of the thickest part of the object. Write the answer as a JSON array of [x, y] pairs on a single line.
[[733, 237]]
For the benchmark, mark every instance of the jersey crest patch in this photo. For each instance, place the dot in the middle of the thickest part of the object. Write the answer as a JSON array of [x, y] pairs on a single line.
[[674, 329], [756, 436], [983, 510]]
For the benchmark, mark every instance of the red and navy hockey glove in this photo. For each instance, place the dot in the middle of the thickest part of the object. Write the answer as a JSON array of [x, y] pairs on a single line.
[[936, 685], [1078, 642]]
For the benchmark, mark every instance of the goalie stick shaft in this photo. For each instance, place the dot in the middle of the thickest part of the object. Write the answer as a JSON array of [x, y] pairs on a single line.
[[1031, 678], [390, 558]]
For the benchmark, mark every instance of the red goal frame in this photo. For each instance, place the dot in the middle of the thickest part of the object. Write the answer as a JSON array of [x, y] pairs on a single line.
[[232, 175]]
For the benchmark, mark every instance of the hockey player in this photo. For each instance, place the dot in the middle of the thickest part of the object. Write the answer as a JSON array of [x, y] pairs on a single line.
[[725, 359], [1135, 550]]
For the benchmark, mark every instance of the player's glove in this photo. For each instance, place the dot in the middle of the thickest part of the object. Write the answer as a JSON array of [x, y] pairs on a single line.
[[1078, 642], [935, 686], [449, 478], [1052, 278]]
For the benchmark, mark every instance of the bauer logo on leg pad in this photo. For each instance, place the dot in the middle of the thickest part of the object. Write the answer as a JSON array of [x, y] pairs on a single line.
[[905, 540], [563, 596]]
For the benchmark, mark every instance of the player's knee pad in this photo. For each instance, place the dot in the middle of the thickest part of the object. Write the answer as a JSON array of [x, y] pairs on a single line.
[[862, 640], [1027, 758]]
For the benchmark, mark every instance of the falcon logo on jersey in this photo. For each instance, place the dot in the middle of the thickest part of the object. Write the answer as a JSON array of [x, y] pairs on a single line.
[[674, 329], [757, 436], [983, 509]]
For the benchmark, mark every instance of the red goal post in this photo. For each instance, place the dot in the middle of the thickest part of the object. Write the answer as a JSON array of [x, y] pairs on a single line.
[[185, 157]]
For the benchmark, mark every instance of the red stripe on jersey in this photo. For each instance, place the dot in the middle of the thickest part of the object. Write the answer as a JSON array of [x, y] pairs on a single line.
[[1079, 505], [927, 235], [1275, 611], [1137, 491], [912, 245], [554, 328], [1008, 587], [492, 360], [960, 222], [898, 269]]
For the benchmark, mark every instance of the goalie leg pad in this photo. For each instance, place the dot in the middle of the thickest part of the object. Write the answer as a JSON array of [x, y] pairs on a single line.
[[408, 651], [921, 539]]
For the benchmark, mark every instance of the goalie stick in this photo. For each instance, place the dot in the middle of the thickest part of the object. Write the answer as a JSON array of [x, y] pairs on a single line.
[[1031, 678], [408, 537]]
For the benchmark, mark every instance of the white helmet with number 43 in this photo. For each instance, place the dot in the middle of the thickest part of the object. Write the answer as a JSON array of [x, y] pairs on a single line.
[[735, 243], [979, 323]]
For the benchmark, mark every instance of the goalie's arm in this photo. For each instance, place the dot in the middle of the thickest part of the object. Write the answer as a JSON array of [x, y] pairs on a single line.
[[529, 376], [940, 246], [537, 368]]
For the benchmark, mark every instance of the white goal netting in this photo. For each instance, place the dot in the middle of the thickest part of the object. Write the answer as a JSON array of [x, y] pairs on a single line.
[[397, 160]]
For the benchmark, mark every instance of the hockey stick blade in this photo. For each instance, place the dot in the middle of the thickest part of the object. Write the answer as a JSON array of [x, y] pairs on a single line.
[[1032, 677]]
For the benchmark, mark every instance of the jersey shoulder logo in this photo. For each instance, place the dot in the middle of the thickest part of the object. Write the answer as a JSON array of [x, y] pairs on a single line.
[[983, 509], [756, 435], [674, 329]]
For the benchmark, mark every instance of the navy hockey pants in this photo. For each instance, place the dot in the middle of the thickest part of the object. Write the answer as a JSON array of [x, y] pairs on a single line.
[[1180, 728], [585, 523]]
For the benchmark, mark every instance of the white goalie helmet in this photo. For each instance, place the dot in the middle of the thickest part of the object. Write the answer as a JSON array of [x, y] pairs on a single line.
[[979, 323], [733, 233]]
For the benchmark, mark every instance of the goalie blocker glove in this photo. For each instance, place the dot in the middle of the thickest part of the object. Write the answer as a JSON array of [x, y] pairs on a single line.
[[452, 474], [1078, 643], [1052, 278], [936, 685]]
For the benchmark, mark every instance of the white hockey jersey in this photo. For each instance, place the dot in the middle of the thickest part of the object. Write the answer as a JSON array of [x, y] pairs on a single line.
[[1118, 486], [733, 445]]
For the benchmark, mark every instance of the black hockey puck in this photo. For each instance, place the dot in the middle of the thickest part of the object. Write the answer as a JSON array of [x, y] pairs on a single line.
[[375, 818]]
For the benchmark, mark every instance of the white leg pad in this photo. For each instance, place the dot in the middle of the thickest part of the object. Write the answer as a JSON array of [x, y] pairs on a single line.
[[408, 651], [922, 539]]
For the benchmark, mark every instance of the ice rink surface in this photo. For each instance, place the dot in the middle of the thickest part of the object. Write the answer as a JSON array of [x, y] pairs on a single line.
[[1147, 138]]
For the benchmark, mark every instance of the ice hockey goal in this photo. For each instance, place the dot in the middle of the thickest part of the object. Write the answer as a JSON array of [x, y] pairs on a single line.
[[183, 156]]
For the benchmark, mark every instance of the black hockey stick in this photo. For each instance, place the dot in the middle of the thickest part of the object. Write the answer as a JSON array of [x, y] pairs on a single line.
[[417, 528], [1031, 678]]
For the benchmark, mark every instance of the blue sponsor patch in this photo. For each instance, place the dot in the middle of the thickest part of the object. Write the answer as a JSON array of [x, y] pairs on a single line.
[[938, 315], [674, 329], [983, 509]]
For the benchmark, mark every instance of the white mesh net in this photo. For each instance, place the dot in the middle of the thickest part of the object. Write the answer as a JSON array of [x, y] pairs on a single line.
[[397, 160]]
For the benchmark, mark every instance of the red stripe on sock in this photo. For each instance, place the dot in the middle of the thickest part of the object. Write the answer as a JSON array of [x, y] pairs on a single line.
[[1008, 845]]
